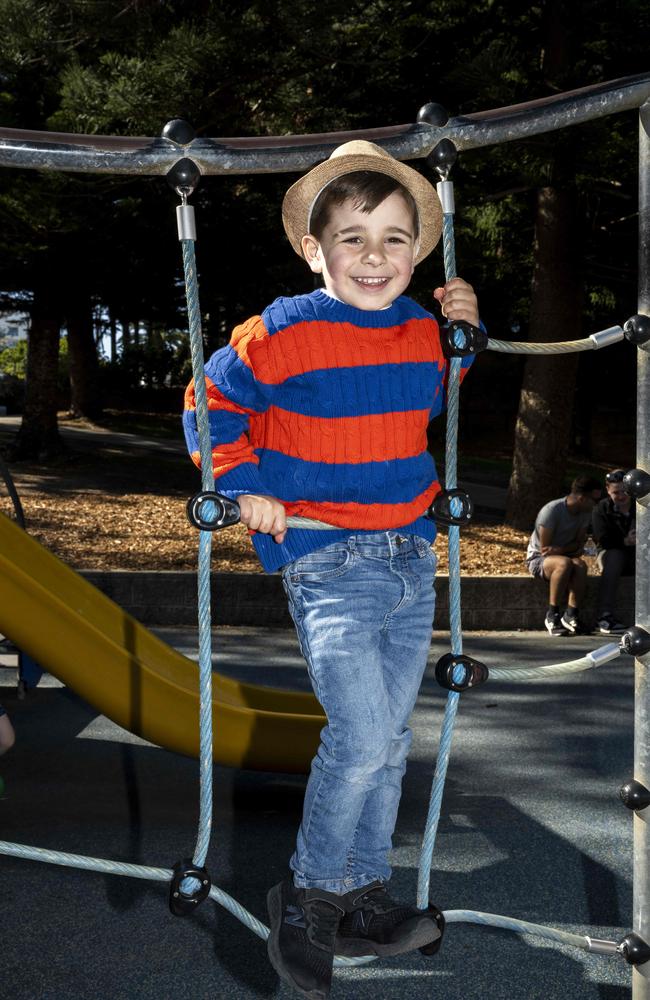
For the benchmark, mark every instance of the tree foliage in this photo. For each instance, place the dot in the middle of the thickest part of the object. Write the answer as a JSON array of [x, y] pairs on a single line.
[[251, 68]]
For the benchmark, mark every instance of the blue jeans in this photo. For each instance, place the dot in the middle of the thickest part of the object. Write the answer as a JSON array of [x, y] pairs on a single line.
[[363, 610]]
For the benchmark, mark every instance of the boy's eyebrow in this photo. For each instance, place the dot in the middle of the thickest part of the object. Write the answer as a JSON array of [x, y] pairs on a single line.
[[359, 225]]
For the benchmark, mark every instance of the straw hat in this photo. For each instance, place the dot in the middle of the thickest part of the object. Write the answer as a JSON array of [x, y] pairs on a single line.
[[299, 200]]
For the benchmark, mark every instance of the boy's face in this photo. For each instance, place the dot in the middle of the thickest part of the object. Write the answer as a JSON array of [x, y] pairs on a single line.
[[366, 258]]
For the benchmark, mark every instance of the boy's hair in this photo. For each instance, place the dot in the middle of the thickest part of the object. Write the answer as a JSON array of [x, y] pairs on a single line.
[[584, 485], [366, 189]]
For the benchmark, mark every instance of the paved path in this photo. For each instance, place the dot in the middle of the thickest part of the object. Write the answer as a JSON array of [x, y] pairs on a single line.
[[489, 500], [531, 828]]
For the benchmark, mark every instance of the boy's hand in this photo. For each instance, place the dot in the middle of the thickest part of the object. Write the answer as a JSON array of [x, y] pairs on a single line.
[[458, 301], [265, 514]]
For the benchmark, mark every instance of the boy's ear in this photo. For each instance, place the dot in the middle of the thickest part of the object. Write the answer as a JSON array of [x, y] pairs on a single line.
[[311, 251]]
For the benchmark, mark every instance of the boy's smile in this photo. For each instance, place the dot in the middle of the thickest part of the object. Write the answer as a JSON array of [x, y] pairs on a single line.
[[366, 258]]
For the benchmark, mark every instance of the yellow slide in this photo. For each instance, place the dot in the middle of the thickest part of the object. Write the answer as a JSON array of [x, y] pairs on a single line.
[[124, 671]]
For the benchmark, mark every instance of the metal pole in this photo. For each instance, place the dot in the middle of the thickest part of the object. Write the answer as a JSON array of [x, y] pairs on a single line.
[[641, 974], [279, 154]]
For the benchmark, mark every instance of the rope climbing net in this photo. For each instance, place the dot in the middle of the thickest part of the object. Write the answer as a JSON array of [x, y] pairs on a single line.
[[189, 881]]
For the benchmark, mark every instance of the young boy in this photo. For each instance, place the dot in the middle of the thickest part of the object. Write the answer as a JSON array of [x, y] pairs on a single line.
[[319, 408]]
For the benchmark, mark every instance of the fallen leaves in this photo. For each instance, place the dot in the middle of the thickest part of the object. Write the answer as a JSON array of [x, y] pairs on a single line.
[[140, 531]]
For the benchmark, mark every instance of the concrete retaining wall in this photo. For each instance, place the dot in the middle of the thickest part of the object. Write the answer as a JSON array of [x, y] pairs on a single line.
[[489, 602]]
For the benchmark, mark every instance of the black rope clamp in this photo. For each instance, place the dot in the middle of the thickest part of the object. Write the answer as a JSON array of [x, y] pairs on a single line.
[[182, 903], [438, 918], [634, 949], [635, 795], [475, 672], [226, 511], [635, 641], [441, 508], [459, 339]]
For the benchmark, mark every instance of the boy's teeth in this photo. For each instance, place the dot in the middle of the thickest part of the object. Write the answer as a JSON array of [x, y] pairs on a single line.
[[371, 281]]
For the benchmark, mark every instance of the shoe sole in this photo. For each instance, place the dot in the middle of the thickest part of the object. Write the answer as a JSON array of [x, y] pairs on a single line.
[[556, 632], [274, 907], [424, 932]]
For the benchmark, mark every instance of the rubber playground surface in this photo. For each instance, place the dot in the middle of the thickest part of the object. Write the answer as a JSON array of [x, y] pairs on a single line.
[[531, 827]]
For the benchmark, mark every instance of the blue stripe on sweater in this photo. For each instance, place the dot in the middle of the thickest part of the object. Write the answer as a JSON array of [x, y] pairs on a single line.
[[320, 307], [236, 381], [399, 480], [225, 427], [360, 391]]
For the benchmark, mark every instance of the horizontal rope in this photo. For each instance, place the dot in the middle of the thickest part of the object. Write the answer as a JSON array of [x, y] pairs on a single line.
[[110, 867], [593, 342], [604, 654], [518, 926], [309, 522], [521, 347]]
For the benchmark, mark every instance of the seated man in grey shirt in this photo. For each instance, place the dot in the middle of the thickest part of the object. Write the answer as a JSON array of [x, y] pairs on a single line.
[[554, 552]]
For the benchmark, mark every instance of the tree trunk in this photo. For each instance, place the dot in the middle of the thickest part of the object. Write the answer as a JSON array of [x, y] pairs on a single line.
[[543, 426], [38, 436], [113, 330], [82, 352]]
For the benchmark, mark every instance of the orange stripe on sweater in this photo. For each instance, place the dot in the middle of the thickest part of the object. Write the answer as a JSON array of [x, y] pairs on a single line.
[[228, 456], [312, 346], [373, 516], [376, 437]]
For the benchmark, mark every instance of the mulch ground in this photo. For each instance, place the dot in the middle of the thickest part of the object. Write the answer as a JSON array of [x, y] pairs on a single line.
[[105, 508]]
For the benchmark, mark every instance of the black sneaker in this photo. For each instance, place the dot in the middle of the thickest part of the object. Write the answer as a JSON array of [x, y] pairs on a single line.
[[303, 931], [553, 623], [375, 924], [608, 625], [573, 625]]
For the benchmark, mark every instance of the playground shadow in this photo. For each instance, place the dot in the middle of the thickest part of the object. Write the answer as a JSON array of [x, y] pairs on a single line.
[[526, 831]]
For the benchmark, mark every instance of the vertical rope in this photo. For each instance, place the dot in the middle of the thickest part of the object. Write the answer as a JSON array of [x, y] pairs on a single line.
[[205, 548], [455, 625]]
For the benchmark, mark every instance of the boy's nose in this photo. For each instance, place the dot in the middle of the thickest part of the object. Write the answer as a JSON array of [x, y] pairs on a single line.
[[374, 254]]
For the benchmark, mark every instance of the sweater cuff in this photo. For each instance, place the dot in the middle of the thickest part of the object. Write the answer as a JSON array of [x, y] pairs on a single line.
[[244, 478]]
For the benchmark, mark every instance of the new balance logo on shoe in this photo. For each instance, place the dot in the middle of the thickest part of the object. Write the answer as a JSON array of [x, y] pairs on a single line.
[[295, 916]]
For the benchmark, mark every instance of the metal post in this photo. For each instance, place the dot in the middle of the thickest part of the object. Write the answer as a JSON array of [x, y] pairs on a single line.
[[641, 974]]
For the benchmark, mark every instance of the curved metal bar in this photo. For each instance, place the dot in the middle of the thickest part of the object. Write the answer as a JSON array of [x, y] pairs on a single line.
[[281, 154]]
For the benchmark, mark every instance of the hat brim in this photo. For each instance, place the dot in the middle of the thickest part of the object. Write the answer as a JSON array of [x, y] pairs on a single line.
[[301, 196]]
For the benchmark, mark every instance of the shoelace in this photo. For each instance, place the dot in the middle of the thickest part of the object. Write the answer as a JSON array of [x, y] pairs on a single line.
[[378, 900], [323, 922]]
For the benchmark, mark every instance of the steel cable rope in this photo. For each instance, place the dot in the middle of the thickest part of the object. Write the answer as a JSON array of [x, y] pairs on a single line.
[[221, 897], [514, 673], [592, 343], [189, 885]]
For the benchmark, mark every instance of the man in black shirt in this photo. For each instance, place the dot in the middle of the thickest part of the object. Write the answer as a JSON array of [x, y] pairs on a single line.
[[614, 532]]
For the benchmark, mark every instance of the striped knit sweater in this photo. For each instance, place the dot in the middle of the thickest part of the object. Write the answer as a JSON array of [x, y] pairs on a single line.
[[326, 407]]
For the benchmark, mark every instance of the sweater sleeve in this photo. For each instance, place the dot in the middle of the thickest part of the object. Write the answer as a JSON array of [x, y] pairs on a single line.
[[235, 397]]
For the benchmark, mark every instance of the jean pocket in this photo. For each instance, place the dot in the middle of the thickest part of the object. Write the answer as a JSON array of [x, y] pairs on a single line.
[[323, 564]]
